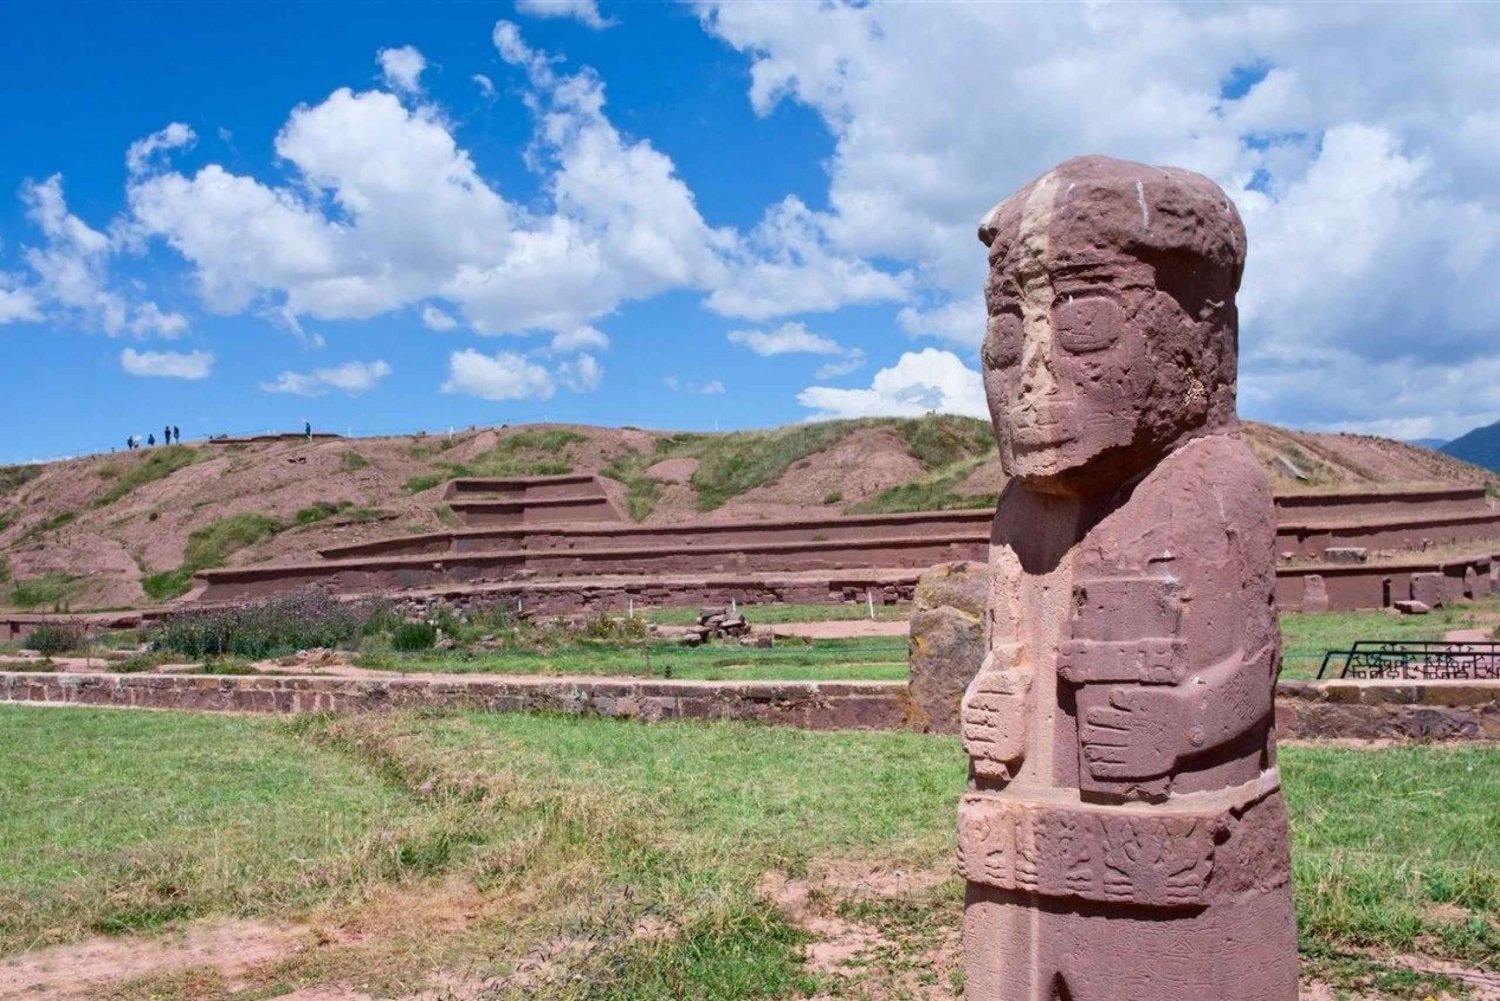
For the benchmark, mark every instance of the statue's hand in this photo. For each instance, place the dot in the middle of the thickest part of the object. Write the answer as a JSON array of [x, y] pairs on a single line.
[[1138, 734], [994, 715]]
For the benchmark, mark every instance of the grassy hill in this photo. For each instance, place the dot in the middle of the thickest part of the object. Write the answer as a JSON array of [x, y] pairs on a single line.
[[129, 528]]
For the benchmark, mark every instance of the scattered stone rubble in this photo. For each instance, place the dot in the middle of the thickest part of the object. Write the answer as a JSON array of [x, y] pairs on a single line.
[[721, 625]]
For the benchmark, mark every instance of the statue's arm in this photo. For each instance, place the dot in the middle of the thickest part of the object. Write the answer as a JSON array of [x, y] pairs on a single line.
[[1195, 669], [1143, 731], [997, 701]]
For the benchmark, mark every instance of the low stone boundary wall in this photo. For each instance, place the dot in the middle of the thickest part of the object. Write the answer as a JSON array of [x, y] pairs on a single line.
[[1305, 710], [812, 706], [1388, 710]]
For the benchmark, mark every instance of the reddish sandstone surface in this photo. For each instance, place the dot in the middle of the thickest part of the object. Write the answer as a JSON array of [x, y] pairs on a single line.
[[1124, 834]]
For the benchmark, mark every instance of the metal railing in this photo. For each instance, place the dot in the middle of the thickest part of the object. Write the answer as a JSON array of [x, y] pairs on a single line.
[[1420, 660]]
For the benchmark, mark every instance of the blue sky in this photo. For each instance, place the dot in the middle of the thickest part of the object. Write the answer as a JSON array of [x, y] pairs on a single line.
[[380, 218]]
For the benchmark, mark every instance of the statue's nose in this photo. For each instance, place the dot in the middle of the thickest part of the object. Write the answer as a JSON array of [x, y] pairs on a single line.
[[1038, 382]]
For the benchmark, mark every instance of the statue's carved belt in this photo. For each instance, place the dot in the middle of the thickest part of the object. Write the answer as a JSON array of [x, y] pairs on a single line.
[[1159, 855]]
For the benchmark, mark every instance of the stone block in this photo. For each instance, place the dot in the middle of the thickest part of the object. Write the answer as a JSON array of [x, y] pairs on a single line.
[[1410, 607], [1346, 554], [947, 642], [1314, 593], [1430, 589]]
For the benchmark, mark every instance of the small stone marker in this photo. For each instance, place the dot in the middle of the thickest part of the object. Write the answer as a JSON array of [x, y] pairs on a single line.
[[1431, 589], [1123, 836], [1314, 593], [1409, 607]]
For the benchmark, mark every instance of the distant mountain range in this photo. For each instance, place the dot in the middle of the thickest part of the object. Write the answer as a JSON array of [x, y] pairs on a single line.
[[1480, 446], [1436, 444]]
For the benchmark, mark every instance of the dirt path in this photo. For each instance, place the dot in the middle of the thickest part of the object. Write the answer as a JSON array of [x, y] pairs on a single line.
[[230, 948], [848, 629]]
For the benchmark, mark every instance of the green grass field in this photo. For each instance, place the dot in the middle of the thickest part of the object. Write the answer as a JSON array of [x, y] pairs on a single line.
[[639, 847], [1306, 637]]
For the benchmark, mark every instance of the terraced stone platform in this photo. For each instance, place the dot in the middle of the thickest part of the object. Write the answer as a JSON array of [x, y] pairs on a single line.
[[535, 500], [567, 537]]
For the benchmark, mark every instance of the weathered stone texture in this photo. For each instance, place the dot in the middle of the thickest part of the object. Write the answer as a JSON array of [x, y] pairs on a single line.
[[947, 641], [1124, 834]]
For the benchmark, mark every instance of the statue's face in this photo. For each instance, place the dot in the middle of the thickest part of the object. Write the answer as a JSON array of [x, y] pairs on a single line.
[[1067, 368]]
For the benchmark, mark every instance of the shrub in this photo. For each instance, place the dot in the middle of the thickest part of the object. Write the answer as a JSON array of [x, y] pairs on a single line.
[[424, 481], [48, 589], [211, 545], [4, 569], [414, 636], [318, 512], [51, 638], [833, 497], [260, 628], [168, 584], [350, 462], [938, 440], [12, 477]]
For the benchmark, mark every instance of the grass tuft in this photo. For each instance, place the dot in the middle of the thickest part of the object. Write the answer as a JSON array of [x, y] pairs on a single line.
[[48, 589], [153, 464]]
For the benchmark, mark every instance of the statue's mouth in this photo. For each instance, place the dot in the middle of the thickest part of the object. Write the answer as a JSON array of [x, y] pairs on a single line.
[[1034, 437]]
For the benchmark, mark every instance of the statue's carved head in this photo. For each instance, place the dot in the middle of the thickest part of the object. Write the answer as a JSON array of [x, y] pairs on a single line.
[[1112, 331]]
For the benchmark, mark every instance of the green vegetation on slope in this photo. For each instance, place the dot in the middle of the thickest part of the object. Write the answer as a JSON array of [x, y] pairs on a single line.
[[152, 465], [347, 512], [208, 547], [546, 829], [50, 590], [732, 464], [524, 453], [938, 491], [12, 477]]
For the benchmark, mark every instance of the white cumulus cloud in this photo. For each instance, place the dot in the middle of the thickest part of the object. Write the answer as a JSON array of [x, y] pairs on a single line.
[[505, 375], [795, 338], [168, 364], [352, 377], [174, 136], [582, 374], [584, 11], [434, 318], [919, 382], [584, 338], [1371, 211], [402, 68]]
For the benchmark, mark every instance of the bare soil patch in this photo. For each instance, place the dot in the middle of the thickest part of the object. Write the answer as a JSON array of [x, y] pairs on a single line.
[[673, 470], [859, 949], [230, 948]]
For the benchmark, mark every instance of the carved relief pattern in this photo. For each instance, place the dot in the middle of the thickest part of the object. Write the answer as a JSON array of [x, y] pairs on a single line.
[[1092, 853]]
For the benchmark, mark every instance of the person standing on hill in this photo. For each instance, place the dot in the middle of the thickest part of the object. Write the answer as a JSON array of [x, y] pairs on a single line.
[[166, 434], [307, 429], [150, 440], [177, 434]]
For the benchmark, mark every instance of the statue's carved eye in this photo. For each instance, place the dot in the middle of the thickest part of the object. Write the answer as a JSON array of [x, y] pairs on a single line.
[[1085, 323], [1002, 342]]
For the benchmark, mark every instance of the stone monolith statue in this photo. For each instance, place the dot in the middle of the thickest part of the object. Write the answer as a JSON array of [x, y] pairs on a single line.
[[1123, 837]]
